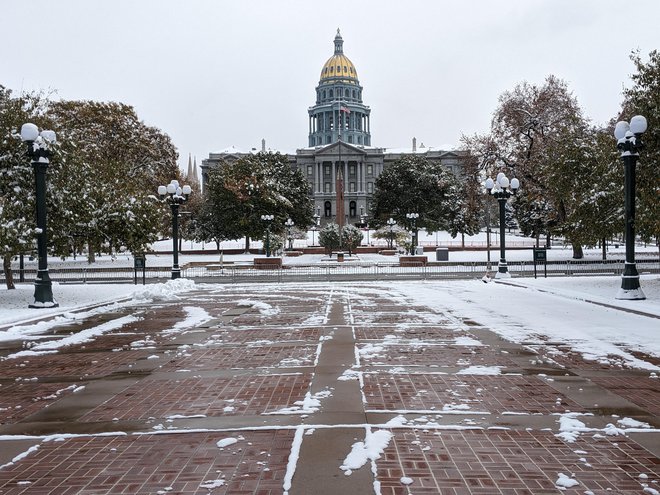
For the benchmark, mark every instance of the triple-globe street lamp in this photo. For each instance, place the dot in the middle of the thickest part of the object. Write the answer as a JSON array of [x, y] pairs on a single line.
[[502, 189], [289, 225], [363, 222], [391, 223], [629, 142], [39, 153], [268, 219], [175, 196], [412, 218], [317, 222]]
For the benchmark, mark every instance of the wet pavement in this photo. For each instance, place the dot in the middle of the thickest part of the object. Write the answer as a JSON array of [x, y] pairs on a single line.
[[267, 389]]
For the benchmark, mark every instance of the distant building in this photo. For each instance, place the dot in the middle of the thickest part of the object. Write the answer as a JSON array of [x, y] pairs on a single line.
[[340, 138]]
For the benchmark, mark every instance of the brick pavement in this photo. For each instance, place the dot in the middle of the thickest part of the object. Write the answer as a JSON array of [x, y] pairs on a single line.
[[156, 401]]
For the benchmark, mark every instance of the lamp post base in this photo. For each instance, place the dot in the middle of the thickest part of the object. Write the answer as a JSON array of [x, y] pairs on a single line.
[[502, 270], [630, 294], [43, 292], [176, 273], [630, 289]]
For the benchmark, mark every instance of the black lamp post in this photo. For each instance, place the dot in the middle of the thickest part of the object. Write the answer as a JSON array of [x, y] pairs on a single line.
[[268, 219], [317, 222], [629, 142], [364, 223], [175, 196], [37, 150], [391, 223], [289, 225], [412, 217], [501, 189]]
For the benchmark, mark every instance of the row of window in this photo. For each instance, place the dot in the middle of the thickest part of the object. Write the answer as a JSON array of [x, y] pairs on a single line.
[[352, 209], [331, 69], [327, 187], [322, 94], [328, 140], [352, 170]]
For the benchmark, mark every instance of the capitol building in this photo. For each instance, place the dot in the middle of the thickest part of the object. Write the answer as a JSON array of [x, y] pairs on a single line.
[[340, 141]]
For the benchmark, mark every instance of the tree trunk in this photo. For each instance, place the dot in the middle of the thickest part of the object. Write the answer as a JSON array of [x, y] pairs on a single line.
[[604, 245], [462, 240], [548, 240], [247, 244], [9, 276], [91, 256], [578, 254]]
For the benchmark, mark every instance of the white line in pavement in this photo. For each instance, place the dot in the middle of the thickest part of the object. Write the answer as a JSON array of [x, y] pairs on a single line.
[[293, 458]]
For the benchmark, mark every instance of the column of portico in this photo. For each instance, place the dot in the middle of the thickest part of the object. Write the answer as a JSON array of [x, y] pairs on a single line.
[[334, 177]]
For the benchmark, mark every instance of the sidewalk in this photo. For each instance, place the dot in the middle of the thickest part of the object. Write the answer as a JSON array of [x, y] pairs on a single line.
[[319, 389]]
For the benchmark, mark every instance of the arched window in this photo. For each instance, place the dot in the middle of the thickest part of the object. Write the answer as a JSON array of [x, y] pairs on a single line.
[[347, 93], [352, 209], [331, 94], [324, 94], [327, 209], [354, 94]]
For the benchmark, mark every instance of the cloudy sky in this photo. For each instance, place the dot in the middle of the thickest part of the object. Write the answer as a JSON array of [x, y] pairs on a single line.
[[216, 73]]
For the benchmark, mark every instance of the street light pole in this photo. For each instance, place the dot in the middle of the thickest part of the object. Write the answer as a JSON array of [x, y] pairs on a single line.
[[391, 223], [39, 153], [629, 142], [268, 219], [413, 220], [175, 196], [289, 224], [501, 189]]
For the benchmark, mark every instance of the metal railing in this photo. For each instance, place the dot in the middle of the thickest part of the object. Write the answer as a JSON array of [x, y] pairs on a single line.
[[337, 272]]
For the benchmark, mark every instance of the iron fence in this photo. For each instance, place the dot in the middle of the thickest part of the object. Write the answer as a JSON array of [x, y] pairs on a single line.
[[336, 272]]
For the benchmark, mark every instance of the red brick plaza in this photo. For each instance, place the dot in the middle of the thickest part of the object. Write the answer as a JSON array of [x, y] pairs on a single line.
[[270, 394]]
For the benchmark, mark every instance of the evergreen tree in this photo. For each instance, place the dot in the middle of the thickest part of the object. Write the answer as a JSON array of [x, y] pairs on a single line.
[[262, 184], [413, 184], [643, 98]]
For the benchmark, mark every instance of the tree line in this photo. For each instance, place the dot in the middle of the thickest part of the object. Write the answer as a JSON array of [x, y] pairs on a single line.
[[105, 168]]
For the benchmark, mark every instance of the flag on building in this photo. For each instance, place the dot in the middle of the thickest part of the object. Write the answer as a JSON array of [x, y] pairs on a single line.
[[344, 109]]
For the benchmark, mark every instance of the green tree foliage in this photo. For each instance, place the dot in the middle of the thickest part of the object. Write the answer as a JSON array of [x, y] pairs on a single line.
[[416, 185], [392, 235], [112, 164], [539, 135], [329, 237], [239, 193], [351, 237], [643, 98]]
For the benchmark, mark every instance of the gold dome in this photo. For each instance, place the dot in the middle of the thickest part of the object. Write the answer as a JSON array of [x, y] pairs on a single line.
[[339, 67]]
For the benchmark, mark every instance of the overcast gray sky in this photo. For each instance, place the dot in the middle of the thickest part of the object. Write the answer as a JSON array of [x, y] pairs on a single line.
[[218, 73]]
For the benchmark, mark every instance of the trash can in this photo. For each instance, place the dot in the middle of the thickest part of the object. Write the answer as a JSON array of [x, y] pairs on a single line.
[[340, 256], [419, 251], [442, 254]]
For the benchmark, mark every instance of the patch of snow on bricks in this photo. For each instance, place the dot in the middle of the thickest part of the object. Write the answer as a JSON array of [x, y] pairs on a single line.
[[467, 341], [564, 482], [226, 442], [164, 292], [480, 370], [194, 316], [76, 338], [263, 308], [371, 449]]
